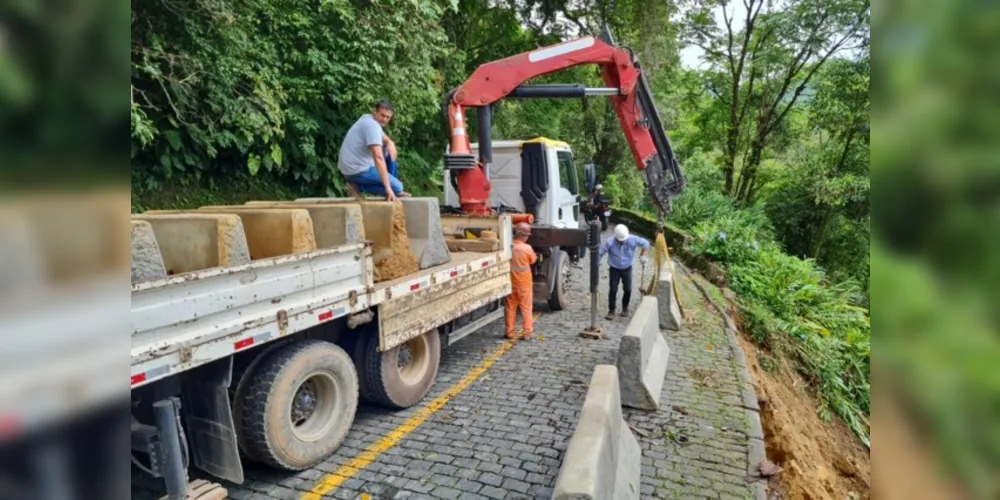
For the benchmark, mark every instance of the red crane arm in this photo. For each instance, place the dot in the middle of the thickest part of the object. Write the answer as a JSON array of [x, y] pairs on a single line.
[[633, 105], [495, 80]]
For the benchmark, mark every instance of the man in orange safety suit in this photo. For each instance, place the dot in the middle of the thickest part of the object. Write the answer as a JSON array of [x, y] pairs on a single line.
[[521, 282]]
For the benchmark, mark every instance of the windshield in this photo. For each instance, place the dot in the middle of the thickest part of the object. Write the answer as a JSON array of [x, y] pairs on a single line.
[[567, 172]]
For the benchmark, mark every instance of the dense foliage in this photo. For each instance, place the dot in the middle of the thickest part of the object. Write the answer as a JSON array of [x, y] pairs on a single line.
[[233, 100]]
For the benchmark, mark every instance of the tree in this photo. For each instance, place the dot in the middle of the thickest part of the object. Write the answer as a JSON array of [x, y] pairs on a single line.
[[820, 205], [226, 88], [762, 65]]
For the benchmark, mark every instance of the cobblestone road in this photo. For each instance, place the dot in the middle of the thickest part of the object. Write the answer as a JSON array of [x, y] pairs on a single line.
[[504, 434]]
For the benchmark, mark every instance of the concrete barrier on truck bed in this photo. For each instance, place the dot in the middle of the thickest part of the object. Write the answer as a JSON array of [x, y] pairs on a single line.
[[643, 355], [196, 241], [22, 265], [603, 460], [272, 232], [147, 263], [386, 227], [423, 227], [79, 236], [333, 225], [666, 296]]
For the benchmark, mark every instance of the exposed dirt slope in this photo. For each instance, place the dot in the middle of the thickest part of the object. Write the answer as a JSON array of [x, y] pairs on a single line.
[[821, 460]]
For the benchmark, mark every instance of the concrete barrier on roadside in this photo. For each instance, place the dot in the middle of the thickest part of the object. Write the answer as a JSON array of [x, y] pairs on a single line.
[[643, 355], [603, 460], [669, 308], [147, 263], [194, 241]]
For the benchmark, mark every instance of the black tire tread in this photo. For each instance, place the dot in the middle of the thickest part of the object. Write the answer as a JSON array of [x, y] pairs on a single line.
[[557, 299], [258, 398], [373, 380]]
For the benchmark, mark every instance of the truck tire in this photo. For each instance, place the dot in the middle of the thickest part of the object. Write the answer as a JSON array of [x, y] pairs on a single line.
[[359, 353], [299, 404], [243, 368], [558, 299], [401, 376]]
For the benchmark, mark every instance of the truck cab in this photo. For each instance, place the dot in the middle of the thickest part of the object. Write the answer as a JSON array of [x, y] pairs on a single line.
[[538, 177]]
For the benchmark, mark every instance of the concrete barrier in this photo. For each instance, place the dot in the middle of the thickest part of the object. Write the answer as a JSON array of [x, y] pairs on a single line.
[[79, 236], [22, 265], [643, 355], [333, 225], [423, 227], [603, 460], [669, 309], [194, 241], [147, 263], [272, 232], [385, 226]]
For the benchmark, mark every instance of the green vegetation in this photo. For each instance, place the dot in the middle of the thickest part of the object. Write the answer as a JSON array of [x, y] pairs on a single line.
[[235, 100]]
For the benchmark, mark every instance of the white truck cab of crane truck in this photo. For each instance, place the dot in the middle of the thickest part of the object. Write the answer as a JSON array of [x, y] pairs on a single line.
[[537, 176], [552, 188]]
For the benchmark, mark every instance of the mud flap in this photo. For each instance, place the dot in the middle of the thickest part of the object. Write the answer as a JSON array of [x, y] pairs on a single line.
[[209, 421]]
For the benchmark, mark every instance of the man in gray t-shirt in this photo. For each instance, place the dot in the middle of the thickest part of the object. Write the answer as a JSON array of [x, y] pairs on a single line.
[[368, 156]]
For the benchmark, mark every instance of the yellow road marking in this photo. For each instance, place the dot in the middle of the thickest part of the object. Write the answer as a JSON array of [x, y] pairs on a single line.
[[365, 458]]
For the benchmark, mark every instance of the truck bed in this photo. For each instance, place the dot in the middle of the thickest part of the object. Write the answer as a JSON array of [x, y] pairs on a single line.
[[415, 304], [195, 318], [191, 319]]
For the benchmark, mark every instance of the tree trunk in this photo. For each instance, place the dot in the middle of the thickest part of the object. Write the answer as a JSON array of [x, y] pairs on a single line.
[[820, 236], [749, 171], [732, 138]]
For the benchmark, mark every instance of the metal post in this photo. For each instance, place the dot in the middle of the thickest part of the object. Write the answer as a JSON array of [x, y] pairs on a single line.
[[174, 474], [593, 332]]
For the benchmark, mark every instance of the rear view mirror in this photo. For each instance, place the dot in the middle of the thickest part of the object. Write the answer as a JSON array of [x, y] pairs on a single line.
[[589, 176]]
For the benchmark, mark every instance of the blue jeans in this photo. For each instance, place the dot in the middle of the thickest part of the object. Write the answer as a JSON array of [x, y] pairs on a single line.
[[370, 182]]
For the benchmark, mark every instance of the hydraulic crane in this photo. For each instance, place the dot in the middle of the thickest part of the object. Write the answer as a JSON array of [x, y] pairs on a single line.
[[626, 87]]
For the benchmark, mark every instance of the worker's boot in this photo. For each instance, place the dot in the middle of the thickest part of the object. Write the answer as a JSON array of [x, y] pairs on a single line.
[[610, 316], [624, 313]]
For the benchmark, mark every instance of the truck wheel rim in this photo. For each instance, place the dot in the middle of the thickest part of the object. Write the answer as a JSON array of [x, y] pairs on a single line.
[[314, 409], [414, 360]]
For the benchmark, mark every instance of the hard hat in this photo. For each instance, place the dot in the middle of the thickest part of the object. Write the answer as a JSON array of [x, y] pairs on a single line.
[[522, 229], [621, 232], [599, 187]]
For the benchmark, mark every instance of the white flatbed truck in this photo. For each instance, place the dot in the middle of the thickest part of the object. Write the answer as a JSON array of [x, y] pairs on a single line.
[[267, 361]]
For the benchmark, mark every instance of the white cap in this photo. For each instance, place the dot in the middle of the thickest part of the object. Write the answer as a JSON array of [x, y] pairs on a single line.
[[621, 232], [599, 187]]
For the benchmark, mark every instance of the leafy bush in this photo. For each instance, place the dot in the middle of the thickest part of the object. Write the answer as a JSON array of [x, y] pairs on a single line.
[[733, 237], [698, 204], [789, 305]]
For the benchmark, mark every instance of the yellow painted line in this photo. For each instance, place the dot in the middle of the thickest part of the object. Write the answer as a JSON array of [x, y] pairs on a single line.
[[365, 458]]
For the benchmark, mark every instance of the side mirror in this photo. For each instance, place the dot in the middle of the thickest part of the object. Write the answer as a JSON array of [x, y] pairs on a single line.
[[589, 176]]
